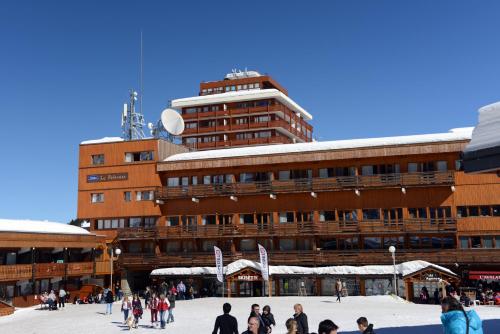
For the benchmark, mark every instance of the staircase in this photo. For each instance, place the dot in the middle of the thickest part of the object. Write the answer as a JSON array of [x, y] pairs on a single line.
[[5, 309]]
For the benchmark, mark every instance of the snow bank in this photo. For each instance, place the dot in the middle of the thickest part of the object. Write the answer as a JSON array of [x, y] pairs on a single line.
[[35, 226], [102, 140], [453, 135], [405, 268], [486, 133]]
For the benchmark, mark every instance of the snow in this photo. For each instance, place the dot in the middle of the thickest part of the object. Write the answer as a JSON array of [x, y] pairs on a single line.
[[405, 268], [102, 140], [458, 134], [486, 133], [198, 316], [241, 95], [36, 226]]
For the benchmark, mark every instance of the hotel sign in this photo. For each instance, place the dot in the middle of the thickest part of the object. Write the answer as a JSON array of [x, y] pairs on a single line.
[[107, 177], [249, 278]]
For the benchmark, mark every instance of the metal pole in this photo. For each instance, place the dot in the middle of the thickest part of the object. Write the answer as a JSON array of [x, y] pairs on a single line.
[[394, 265], [111, 271]]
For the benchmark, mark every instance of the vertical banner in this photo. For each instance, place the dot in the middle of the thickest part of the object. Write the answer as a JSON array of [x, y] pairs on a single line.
[[263, 263], [219, 264]]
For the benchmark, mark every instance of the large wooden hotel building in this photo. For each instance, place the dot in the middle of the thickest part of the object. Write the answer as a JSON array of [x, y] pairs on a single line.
[[249, 173]]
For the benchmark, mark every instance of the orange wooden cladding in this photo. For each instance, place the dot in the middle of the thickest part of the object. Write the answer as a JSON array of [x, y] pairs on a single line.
[[80, 268], [241, 81], [16, 272], [47, 270], [102, 268], [480, 225]]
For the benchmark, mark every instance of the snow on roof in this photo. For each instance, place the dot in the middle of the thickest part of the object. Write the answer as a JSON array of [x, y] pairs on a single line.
[[486, 133], [405, 268], [241, 95], [102, 140], [452, 135], [36, 226]]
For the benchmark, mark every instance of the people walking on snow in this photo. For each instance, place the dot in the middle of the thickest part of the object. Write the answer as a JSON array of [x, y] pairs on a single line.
[[171, 300], [327, 327], [268, 318], [136, 310], [153, 306], [52, 301], [126, 307], [301, 318], [109, 299], [253, 326], [456, 320], [226, 323], [62, 297], [181, 290], [338, 289], [291, 326], [364, 326], [163, 307], [255, 312]]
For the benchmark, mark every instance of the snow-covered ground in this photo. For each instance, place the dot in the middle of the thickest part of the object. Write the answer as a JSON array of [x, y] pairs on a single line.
[[198, 316]]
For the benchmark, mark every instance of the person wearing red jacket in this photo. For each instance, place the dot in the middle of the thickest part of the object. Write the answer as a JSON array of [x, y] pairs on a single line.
[[163, 306], [153, 306]]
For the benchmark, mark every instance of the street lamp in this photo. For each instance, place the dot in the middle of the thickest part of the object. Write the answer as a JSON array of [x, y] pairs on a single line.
[[392, 250], [117, 251]]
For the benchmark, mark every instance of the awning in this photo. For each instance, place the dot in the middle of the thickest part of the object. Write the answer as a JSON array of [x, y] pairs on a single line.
[[485, 275]]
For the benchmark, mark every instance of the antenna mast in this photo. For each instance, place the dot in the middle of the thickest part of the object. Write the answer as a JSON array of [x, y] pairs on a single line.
[[141, 79]]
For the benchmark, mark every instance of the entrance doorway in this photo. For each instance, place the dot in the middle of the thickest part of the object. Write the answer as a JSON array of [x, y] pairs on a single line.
[[250, 289]]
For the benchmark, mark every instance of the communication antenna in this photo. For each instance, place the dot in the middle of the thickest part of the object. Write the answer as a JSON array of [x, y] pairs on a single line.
[[132, 121], [170, 125]]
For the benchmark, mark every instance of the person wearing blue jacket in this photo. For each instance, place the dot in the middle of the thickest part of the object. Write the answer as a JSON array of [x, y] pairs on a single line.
[[458, 321]]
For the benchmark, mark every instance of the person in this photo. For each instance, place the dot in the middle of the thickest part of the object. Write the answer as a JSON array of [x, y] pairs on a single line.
[[364, 327], [268, 318], [153, 306], [464, 299], [456, 320], [424, 296], [338, 289], [327, 327], [118, 292], [62, 297], [255, 312], [109, 299], [171, 300], [226, 323], [52, 301], [181, 290], [301, 318], [147, 295], [136, 310], [126, 307], [291, 326], [163, 306], [253, 326]]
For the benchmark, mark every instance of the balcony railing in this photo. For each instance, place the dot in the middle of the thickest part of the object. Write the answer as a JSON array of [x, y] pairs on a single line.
[[288, 229], [46, 270], [308, 185], [318, 257], [16, 272], [80, 268]]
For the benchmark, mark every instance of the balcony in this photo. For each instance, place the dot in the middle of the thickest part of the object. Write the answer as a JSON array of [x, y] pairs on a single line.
[[16, 272], [80, 268], [47, 270], [307, 185], [288, 229]]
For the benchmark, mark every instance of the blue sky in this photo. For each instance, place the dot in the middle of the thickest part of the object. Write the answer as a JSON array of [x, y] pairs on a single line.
[[362, 68]]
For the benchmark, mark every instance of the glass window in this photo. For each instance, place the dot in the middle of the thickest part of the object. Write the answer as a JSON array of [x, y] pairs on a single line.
[[287, 244], [326, 216], [323, 172], [98, 159], [208, 245], [372, 243], [100, 224], [246, 218], [473, 211], [464, 242], [97, 198], [173, 182], [442, 166], [485, 210], [138, 156], [246, 177], [284, 175], [412, 167], [107, 223], [144, 195], [475, 242], [122, 223], [487, 242], [367, 170], [459, 165], [114, 223], [134, 247], [135, 222], [497, 242], [414, 242], [208, 220], [185, 180], [173, 246], [173, 221], [248, 245], [127, 196], [194, 180], [448, 242], [461, 211], [371, 214], [286, 217], [206, 179]]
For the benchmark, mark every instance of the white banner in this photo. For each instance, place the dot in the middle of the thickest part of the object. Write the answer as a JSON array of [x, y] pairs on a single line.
[[263, 263], [219, 264]]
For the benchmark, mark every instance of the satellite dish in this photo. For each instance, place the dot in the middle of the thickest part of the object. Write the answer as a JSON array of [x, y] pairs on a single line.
[[150, 126], [172, 121]]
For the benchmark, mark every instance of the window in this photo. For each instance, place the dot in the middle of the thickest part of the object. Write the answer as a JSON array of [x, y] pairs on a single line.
[[371, 214], [487, 242], [461, 211], [98, 159], [392, 215], [398, 242], [173, 221], [473, 211], [185, 180], [191, 125], [190, 110], [475, 242], [135, 222], [194, 180], [246, 177], [248, 245], [287, 244], [497, 242], [97, 198], [208, 220], [134, 247], [448, 242], [218, 179], [326, 216], [114, 223], [207, 179], [263, 134], [417, 213], [284, 175], [173, 182], [107, 223], [286, 217], [442, 166], [372, 243], [246, 218], [440, 213], [412, 167], [330, 244], [138, 156], [348, 243], [348, 215], [325, 172], [144, 195], [100, 224], [127, 196], [240, 121], [484, 211], [496, 210], [459, 165]]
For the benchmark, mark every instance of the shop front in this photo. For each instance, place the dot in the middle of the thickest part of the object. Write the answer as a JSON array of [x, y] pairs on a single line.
[[428, 279], [246, 283]]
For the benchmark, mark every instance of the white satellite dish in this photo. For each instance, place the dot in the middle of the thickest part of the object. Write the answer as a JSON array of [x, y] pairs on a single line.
[[172, 121]]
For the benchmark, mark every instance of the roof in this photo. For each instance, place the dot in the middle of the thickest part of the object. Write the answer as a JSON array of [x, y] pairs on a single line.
[[485, 134], [241, 95], [405, 269], [102, 140], [458, 134], [37, 226]]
